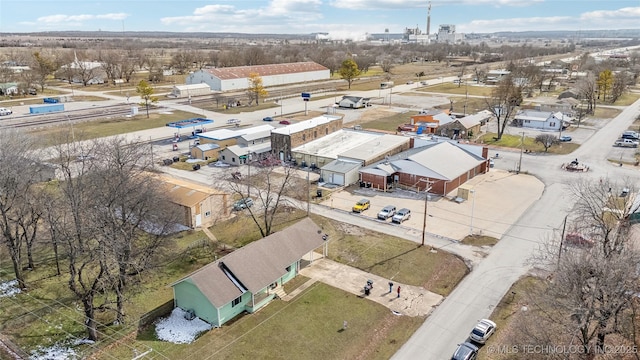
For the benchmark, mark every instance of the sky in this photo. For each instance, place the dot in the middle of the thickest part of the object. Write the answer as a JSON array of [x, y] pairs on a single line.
[[342, 19]]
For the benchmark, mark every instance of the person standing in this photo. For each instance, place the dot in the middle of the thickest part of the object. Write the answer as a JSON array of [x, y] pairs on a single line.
[[398, 291], [390, 287]]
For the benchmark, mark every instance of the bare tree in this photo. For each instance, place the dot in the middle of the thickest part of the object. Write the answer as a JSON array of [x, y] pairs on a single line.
[[594, 284], [19, 210], [588, 90], [503, 102], [547, 140], [133, 216], [270, 184], [182, 61]]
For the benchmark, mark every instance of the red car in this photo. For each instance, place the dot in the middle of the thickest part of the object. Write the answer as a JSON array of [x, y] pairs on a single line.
[[285, 122]]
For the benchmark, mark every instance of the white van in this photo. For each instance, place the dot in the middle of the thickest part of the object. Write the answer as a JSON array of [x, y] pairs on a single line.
[[5, 111]]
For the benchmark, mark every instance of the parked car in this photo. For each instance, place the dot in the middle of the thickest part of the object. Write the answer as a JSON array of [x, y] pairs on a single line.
[[243, 204], [402, 215], [387, 212], [285, 122], [5, 111], [626, 143], [268, 118], [630, 135], [483, 330], [458, 81], [32, 91], [578, 240], [465, 351], [565, 138], [361, 205], [409, 82]]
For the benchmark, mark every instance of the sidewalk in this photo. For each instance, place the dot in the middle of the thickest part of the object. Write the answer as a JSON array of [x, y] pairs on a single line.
[[413, 300]]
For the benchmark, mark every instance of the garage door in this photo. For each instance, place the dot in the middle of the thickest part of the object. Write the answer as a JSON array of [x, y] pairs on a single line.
[[337, 179]]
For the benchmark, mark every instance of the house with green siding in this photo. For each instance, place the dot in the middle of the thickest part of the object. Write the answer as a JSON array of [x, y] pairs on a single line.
[[250, 277]]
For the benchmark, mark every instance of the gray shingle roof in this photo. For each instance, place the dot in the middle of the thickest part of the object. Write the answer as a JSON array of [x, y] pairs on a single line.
[[256, 265]]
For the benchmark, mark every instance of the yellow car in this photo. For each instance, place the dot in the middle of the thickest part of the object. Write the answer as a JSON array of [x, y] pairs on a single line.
[[361, 205]]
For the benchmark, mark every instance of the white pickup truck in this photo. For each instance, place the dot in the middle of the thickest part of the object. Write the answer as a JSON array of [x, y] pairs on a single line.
[[626, 143]]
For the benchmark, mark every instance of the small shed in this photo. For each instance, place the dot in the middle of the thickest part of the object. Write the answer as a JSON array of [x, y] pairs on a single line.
[[205, 151], [182, 91], [353, 102], [341, 172]]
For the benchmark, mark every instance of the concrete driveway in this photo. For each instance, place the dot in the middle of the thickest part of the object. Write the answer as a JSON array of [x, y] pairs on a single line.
[[413, 300]]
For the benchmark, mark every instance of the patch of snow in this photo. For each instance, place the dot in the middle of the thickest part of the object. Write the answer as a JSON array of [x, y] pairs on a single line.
[[178, 330], [9, 288], [220, 164], [55, 352]]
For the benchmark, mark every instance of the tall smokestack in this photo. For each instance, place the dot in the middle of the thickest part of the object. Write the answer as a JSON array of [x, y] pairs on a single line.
[[429, 18]]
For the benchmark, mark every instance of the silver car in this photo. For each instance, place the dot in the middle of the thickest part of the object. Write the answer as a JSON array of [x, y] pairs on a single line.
[[402, 215], [387, 212]]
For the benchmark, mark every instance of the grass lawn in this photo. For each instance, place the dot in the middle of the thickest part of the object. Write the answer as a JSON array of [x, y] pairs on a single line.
[[390, 123], [514, 141], [308, 327], [451, 88], [606, 113], [627, 99], [479, 240], [392, 257]]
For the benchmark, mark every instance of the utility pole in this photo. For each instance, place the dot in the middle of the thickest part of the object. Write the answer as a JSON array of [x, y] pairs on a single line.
[[248, 174], [521, 149], [426, 201], [564, 225], [561, 124], [308, 193]]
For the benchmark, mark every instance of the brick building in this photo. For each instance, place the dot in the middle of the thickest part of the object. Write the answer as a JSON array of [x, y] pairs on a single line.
[[291, 136]]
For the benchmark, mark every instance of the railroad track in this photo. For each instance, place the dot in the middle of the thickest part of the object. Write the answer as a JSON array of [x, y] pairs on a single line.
[[69, 116]]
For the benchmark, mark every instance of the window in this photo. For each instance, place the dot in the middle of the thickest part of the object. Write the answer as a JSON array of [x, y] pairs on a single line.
[[207, 214], [288, 268], [315, 134], [223, 157], [233, 159], [552, 124], [326, 131], [304, 137], [236, 301]]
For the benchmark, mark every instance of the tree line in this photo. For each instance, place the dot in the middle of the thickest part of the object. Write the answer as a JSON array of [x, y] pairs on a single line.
[[105, 218]]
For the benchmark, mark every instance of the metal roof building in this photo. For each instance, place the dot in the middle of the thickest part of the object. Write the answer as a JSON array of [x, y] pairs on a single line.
[[237, 78]]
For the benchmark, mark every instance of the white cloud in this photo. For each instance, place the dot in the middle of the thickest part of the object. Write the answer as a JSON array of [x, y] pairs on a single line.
[[623, 18], [404, 4], [277, 16], [623, 13], [60, 18]]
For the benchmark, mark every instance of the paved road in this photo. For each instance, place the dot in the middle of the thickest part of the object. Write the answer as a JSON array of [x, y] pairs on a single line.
[[476, 296]]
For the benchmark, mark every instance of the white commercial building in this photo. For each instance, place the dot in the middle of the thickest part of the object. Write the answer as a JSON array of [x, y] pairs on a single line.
[[237, 78]]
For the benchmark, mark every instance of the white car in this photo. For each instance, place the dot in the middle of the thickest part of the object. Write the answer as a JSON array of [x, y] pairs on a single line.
[[483, 330], [5, 111]]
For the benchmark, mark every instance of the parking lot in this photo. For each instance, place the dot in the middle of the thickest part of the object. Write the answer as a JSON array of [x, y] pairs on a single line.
[[500, 199]]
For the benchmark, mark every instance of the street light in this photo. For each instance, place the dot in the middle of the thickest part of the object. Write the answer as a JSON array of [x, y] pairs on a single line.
[[473, 205]]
